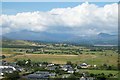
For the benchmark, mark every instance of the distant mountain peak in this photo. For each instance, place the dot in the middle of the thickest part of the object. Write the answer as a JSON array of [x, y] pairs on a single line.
[[104, 35]]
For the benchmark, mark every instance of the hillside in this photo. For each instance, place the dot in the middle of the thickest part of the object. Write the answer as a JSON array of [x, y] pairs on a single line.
[[11, 43]]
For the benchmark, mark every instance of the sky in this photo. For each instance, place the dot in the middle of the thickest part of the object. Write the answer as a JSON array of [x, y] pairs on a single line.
[[59, 0], [17, 7], [76, 18]]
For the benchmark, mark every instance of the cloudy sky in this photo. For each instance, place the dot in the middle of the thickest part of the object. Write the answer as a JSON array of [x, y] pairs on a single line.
[[80, 19]]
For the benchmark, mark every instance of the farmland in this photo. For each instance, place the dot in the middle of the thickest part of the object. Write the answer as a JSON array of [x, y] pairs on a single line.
[[62, 59], [60, 54]]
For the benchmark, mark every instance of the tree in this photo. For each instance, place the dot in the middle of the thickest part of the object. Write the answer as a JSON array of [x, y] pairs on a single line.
[[110, 75], [101, 76], [72, 77], [69, 63], [12, 76], [92, 75], [109, 68], [21, 63], [3, 56], [28, 62]]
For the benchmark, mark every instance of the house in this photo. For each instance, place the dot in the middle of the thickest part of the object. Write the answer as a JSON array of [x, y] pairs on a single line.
[[94, 66], [70, 70], [76, 69], [90, 78], [6, 69], [83, 78], [83, 65], [66, 67], [19, 68], [50, 64], [65, 75], [87, 78], [52, 75], [5, 63], [51, 67], [38, 75]]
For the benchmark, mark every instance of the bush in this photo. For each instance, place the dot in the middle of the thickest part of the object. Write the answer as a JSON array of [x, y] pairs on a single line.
[[12, 76], [3, 56]]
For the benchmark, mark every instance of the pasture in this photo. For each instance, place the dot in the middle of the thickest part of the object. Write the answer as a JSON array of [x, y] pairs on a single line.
[[92, 59]]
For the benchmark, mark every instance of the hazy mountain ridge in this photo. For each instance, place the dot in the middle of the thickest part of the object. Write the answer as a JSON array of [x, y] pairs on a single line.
[[102, 38]]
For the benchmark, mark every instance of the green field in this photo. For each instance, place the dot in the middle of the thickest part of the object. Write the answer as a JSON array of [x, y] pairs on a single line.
[[98, 58], [106, 72]]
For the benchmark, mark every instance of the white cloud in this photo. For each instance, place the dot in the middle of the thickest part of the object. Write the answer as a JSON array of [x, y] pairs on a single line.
[[84, 19]]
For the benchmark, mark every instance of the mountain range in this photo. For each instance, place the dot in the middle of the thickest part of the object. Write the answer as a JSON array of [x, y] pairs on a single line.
[[101, 38]]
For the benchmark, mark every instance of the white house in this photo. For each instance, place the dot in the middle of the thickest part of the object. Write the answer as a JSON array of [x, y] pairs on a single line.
[[7, 69], [84, 65]]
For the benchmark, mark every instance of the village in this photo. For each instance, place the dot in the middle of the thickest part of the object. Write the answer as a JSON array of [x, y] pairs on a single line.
[[44, 70], [28, 70]]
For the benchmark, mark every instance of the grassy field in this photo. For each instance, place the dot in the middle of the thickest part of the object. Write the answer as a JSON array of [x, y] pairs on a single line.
[[59, 59], [91, 57], [106, 72], [62, 59]]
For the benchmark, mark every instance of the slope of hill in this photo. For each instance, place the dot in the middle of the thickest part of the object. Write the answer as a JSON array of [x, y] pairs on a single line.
[[4, 42]]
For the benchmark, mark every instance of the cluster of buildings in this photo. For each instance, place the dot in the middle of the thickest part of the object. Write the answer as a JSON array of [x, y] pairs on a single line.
[[40, 75], [48, 72], [6, 67]]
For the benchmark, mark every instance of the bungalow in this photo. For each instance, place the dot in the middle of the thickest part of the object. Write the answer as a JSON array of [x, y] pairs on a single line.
[[51, 67], [6, 69], [50, 64], [65, 75], [52, 75], [70, 70], [83, 65], [38, 75], [18, 68], [66, 67], [82, 78], [5, 63]]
